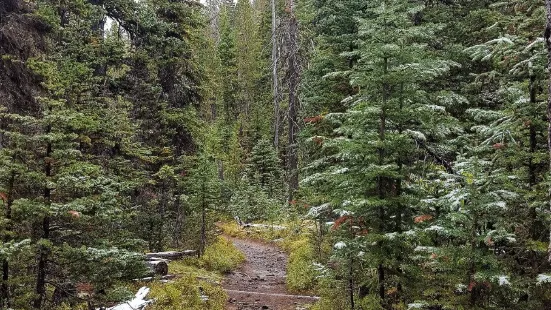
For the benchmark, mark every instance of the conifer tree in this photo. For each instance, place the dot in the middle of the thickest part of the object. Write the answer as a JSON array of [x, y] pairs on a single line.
[[371, 174]]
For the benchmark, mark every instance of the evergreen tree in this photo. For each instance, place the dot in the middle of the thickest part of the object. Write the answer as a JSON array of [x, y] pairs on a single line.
[[371, 174]]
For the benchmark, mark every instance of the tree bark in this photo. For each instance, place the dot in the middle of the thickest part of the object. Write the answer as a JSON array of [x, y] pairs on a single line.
[[40, 288], [274, 76], [351, 282], [293, 80], [547, 37], [5, 290]]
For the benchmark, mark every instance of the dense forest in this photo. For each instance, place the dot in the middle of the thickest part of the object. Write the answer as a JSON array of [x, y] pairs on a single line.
[[404, 144]]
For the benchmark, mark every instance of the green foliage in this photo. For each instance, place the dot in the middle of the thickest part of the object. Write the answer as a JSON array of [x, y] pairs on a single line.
[[301, 275], [185, 293], [222, 256]]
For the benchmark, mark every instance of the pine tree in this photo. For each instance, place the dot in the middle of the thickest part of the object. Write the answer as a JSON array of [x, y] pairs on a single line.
[[372, 173]]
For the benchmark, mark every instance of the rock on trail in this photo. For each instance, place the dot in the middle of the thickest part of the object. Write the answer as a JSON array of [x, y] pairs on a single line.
[[260, 282]]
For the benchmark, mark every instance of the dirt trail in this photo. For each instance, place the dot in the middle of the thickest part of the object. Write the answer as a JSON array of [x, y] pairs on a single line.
[[260, 282]]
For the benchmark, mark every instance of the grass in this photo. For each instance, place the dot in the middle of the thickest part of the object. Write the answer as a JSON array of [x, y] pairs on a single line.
[[197, 277], [301, 275], [185, 293], [222, 256], [232, 229]]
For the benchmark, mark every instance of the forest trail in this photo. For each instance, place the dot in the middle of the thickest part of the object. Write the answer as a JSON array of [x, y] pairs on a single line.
[[259, 283]]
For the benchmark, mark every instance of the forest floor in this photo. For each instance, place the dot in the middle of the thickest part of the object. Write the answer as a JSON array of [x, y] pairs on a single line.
[[259, 283]]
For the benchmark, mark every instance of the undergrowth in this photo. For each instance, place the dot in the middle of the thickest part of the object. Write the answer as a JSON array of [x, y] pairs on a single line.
[[232, 229], [196, 278], [196, 285], [301, 275], [185, 293], [222, 256]]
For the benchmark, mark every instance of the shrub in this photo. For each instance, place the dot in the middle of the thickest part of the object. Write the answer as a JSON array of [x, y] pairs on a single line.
[[301, 275], [222, 256], [185, 293]]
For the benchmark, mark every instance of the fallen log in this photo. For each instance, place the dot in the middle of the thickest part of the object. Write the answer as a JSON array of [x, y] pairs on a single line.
[[150, 279], [276, 227], [171, 255], [158, 267]]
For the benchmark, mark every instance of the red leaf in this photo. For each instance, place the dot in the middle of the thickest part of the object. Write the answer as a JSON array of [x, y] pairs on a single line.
[[499, 146], [341, 220]]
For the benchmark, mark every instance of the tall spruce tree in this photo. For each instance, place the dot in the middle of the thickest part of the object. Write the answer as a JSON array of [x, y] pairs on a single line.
[[377, 158]]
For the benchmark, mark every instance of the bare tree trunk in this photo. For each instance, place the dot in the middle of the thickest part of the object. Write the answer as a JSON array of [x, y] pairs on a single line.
[[351, 282], [5, 289], [382, 181], [203, 244], [293, 79], [43, 251], [203, 230], [547, 36], [274, 75]]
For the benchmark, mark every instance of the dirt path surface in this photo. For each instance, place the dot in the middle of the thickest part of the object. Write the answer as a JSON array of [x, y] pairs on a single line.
[[260, 282]]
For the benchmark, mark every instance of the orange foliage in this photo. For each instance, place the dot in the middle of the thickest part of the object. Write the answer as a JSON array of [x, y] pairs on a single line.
[[341, 220], [85, 288], [392, 291], [313, 120], [74, 213], [422, 218], [4, 197], [318, 140]]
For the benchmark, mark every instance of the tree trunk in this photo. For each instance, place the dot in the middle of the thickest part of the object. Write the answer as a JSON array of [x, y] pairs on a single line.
[[203, 230], [547, 37], [5, 290], [274, 76], [203, 222], [351, 282], [381, 181], [40, 288], [179, 222], [293, 78]]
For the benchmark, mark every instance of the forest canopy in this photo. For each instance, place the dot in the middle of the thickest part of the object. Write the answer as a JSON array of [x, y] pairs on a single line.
[[409, 139]]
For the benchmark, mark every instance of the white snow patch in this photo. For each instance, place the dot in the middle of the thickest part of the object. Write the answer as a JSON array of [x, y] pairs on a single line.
[[503, 280], [391, 236], [137, 303], [460, 288], [340, 171], [416, 305], [543, 278], [316, 211], [435, 228], [343, 212], [424, 249], [340, 245]]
